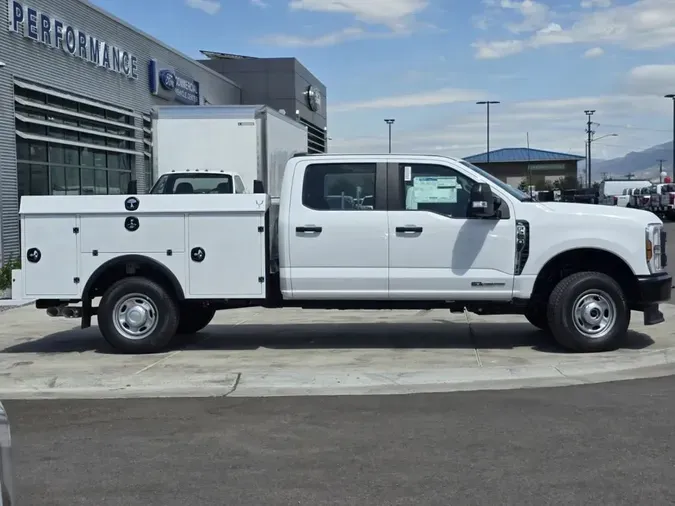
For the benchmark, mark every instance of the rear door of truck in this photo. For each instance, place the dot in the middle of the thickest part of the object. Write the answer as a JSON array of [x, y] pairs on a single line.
[[336, 229]]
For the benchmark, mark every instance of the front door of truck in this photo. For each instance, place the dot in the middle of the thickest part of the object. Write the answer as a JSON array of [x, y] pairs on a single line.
[[436, 251], [337, 245]]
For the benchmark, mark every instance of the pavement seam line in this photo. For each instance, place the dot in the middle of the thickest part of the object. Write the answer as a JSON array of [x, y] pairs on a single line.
[[158, 362], [234, 387], [473, 340], [571, 378]]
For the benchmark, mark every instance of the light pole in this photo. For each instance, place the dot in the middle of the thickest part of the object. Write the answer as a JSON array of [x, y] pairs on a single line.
[[487, 103], [672, 97], [589, 132], [389, 122], [588, 147]]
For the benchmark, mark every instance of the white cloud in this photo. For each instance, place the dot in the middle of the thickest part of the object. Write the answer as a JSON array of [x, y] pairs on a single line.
[[643, 24], [392, 17], [655, 80], [423, 99], [594, 52], [208, 6], [259, 3], [535, 15], [395, 14], [590, 4]]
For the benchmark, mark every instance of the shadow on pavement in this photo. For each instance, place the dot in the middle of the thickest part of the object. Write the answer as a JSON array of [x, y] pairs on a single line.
[[440, 335]]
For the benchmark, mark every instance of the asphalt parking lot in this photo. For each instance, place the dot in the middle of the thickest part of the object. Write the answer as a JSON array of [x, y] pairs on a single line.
[[594, 444]]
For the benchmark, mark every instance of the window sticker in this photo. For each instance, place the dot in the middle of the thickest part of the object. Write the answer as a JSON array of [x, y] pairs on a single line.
[[432, 189]]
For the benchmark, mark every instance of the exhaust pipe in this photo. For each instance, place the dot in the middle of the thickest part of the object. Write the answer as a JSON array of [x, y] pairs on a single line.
[[72, 312], [55, 311]]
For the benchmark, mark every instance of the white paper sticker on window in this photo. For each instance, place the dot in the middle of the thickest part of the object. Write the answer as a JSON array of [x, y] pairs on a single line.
[[439, 190]]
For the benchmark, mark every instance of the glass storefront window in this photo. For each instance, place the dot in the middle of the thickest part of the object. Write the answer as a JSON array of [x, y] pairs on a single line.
[[72, 180], [70, 155], [87, 181], [114, 160], [114, 182], [86, 157], [23, 174], [58, 180], [39, 179], [99, 159], [37, 152], [101, 182], [125, 177], [56, 154]]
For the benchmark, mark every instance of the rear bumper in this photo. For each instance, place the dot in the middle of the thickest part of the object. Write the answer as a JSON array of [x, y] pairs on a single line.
[[650, 291]]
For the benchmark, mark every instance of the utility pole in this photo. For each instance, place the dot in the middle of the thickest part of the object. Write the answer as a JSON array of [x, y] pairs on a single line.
[[589, 132], [660, 160], [672, 97], [488, 103], [604, 175], [389, 122]]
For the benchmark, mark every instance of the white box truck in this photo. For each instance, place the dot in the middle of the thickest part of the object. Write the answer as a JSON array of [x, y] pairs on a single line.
[[354, 232], [222, 149]]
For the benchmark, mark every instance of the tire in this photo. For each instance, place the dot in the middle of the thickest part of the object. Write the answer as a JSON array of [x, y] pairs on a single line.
[[537, 315], [194, 317], [597, 292], [149, 299]]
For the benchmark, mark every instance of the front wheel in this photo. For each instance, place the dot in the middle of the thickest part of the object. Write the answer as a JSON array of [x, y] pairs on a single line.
[[588, 312], [137, 315]]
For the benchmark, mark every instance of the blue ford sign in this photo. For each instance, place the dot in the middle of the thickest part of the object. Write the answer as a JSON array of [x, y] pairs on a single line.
[[55, 33], [170, 85]]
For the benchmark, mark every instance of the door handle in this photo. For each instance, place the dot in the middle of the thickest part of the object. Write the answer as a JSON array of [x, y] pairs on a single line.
[[410, 229], [308, 229]]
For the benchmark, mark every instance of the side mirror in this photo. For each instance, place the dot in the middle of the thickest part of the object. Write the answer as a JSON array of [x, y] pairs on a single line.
[[132, 187], [482, 203], [258, 186]]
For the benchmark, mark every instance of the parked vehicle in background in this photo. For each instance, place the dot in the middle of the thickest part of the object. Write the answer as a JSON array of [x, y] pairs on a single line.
[[644, 197], [227, 138], [662, 200], [6, 472], [624, 199], [190, 182], [610, 189]]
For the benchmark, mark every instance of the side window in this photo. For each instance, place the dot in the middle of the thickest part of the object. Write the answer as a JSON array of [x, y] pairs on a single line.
[[435, 188], [238, 185], [339, 187]]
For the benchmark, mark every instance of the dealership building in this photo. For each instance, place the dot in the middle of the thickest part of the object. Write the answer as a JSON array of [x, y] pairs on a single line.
[[77, 89]]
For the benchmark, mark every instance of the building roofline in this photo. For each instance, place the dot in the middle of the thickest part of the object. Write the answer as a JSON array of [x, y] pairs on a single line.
[[152, 39], [563, 156]]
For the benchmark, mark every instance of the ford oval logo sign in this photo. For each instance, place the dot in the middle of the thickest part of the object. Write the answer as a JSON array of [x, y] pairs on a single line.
[[167, 79]]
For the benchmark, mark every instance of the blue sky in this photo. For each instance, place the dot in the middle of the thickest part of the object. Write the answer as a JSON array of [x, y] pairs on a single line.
[[426, 62]]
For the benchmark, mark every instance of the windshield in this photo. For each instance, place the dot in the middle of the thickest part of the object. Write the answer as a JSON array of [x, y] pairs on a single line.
[[514, 192], [193, 183]]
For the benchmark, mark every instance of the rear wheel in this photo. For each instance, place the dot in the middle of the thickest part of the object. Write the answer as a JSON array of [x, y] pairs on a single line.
[[588, 312], [194, 317], [137, 315]]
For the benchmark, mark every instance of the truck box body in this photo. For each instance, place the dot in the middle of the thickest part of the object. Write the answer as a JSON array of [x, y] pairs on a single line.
[[68, 239], [254, 141]]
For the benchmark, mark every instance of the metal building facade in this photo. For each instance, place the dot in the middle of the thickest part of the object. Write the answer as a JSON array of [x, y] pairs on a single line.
[[75, 107]]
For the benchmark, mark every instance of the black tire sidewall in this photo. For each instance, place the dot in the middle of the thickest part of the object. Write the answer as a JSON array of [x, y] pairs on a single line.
[[560, 312], [167, 312], [194, 318], [537, 316]]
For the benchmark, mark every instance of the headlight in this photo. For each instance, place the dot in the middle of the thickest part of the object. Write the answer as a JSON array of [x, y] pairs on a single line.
[[654, 247]]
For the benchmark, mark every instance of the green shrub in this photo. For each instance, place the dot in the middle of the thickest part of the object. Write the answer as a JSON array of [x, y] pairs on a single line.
[[6, 273]]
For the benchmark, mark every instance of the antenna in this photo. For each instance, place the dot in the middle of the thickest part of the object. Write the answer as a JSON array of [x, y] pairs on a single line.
[[529, 170]]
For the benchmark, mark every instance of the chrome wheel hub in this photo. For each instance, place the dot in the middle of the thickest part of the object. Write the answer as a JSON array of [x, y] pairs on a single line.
[[594, 313], [135, 316]]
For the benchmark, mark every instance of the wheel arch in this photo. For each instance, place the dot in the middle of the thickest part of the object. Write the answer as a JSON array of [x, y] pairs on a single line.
[[123, 266], [575, 260]]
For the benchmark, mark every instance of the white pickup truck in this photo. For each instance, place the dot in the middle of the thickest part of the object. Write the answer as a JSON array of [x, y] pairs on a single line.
[[353, 232]]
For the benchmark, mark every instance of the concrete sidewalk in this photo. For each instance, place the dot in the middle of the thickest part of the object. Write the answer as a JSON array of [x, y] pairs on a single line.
[[256, 352]]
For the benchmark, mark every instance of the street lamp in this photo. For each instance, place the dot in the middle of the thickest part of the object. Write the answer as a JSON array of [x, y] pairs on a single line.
[[487, 103], [389, 122], [591, 140], [672, 97]]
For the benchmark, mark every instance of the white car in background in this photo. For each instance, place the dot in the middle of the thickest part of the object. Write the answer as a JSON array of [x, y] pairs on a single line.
[[612, 190]]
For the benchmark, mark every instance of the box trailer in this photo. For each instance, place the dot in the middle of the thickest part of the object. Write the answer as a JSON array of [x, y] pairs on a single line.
[[253, 141]]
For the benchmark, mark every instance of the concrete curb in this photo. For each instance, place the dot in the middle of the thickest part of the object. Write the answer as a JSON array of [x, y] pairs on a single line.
[[312, 383]]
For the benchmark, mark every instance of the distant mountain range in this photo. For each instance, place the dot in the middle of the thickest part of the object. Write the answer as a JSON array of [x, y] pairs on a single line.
[[641, 164]]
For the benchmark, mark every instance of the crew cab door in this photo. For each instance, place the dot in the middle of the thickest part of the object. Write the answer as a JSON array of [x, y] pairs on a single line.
[[436, 251], [335, 224]]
